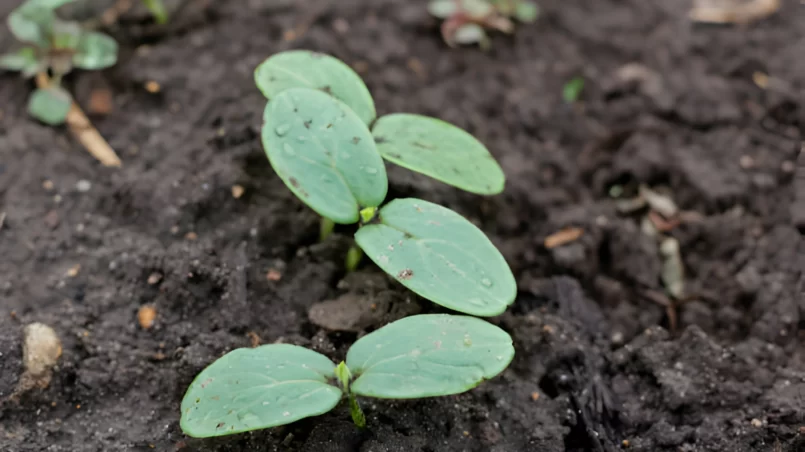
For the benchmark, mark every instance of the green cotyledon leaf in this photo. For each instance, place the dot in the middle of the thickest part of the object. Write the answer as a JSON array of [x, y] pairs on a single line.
[[255, 388], [324, 153], [95, 51], [439, 255], [50, 105], [440, 150], [306, 69], [428, 355]]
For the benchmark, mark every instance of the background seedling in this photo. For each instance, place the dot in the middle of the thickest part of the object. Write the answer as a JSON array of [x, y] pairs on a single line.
[[572, 89], [419, 356], [52, 47], [326, 155], [465, 21]]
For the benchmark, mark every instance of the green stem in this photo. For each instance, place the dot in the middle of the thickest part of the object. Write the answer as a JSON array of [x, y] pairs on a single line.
[[356, 412], [325, 228], [354, 256]]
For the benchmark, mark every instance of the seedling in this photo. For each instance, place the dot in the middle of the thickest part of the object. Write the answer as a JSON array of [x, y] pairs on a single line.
[[317, 137], [465, 21], [571, 91], [52, 47], [420, 356]]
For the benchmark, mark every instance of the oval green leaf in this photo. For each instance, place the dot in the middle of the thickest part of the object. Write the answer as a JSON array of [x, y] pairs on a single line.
[[95, 51], [306, 69], [30, 23], [22, 60], [440, 150], [442, 9], [324, 153], [254, 388], [428, 355], [526, 12], [50, 105], [439, 255]]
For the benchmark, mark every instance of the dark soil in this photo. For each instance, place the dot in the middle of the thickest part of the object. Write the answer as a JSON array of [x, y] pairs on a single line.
[[601, 365]]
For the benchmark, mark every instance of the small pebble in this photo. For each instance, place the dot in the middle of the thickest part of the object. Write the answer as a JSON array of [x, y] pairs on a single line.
[[83, 185], [757, 423], [154, 278], [146, 316]]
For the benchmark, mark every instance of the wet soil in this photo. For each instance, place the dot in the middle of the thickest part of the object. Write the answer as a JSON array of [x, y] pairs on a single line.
[[601, 364]]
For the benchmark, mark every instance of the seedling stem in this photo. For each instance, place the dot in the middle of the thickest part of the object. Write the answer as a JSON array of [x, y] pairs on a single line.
[[354, 256], [326, 228]]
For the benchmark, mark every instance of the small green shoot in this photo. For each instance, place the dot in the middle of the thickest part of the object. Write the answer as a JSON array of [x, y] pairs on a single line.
[[420, 356], [158, 10], [572, 89], [328, 157], [465, 21], [53, 46]]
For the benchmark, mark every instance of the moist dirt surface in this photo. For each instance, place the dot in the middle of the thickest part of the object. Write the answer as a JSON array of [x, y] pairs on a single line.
[[712, 116]]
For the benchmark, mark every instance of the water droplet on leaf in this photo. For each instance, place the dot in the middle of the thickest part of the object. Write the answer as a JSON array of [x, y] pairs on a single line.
[[486, 282], [370, 170], [282, 129], [467, 340], [288, 149]]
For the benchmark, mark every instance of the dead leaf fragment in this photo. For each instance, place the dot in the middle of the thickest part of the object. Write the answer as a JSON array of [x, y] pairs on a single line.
[[761, 79], [72, 272], [41, 350], [254, 339], [152, 87], [154, 278], [732, 11], [563, 237], [672, 269], [146, 316]]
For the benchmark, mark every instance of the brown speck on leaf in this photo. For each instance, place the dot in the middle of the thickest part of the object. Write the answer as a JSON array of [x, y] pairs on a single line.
[[146, 316], [381, 140], [327, 89], [423, 146], [308, 123], [294, 182], [220, 425], [356, 140], [329, 126], [562, 237], [405, 274]]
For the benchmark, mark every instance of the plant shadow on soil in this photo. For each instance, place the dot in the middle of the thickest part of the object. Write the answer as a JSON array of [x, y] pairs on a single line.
[[596, 366]]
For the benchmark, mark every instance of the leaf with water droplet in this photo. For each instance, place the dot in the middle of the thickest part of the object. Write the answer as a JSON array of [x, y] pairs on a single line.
[[306, 69], [439, 255], [324, 153], [428, 355], [440, 150], [253, 388]]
